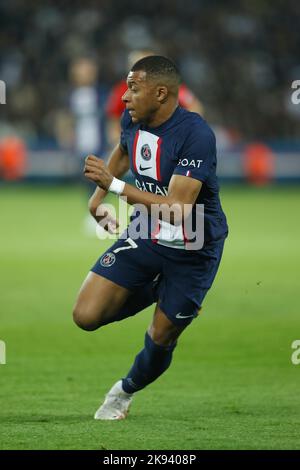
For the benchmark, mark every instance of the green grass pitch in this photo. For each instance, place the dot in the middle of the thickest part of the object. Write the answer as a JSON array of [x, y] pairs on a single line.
[[232, 384]]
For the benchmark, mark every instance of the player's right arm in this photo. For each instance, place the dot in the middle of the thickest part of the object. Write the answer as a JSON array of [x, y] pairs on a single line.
[[118, 165]]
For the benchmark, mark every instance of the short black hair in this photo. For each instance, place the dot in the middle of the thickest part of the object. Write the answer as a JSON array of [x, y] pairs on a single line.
[[158, 67]]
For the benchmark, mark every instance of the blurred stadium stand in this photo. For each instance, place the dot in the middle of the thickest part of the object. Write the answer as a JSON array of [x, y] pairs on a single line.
[[238, 57], [62, 165]]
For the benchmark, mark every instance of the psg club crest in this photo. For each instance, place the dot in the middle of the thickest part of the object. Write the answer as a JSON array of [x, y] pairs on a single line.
[[146, 152], [107, 260]]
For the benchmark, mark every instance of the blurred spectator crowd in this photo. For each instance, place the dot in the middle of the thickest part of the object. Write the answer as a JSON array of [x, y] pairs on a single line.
[[238, 57]]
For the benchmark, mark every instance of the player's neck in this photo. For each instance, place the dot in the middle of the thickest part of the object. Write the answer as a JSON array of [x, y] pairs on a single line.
[[162, 115]]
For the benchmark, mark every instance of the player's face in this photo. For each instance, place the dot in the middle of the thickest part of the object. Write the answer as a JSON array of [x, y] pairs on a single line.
[[141, 97]]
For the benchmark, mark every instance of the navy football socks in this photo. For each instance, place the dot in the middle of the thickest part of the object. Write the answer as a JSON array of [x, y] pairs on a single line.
[[149, 364]]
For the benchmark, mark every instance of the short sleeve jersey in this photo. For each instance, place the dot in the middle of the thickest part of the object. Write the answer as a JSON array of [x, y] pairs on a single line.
[[182, 145]]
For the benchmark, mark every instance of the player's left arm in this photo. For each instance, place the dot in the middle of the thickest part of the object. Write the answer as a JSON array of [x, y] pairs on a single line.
[[182, 190], [182, 194], [198, 158]]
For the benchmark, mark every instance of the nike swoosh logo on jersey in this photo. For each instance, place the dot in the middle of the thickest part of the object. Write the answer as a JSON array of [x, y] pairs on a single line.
[[146, 168], [179, 315]]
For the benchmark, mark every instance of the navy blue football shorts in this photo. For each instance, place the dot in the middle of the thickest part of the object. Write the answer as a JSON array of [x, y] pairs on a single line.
[[186, 276]]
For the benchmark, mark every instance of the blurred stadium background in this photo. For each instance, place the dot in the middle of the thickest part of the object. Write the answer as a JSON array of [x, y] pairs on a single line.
[[60, 62]]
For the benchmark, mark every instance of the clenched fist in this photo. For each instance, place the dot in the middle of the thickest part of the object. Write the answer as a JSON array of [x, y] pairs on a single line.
[[96, 171]]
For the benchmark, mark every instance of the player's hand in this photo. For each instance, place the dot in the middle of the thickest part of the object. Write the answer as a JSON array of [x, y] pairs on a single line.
[[96, 171], [106, 220]]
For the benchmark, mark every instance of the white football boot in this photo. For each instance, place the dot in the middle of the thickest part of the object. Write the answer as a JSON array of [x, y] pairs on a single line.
[[116, 404]]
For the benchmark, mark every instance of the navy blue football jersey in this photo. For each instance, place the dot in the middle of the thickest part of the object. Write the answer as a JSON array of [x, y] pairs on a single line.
[[182, 145]]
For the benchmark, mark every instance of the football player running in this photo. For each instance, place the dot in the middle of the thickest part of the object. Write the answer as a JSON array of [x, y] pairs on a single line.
[[172, 155]]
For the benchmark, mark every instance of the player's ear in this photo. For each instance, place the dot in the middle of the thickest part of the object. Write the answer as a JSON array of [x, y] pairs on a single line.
[[161, 93]]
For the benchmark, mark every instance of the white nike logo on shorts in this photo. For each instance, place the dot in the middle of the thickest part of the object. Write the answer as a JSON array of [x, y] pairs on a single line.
[[179, 315]]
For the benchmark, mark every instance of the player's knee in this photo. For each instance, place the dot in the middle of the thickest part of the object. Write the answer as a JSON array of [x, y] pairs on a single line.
[[163, 341], [164, 337], [85, 320]]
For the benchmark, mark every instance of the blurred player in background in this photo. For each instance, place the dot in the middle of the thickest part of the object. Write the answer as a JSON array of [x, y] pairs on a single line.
[[115, 106], [87, 105], [172, 155]]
